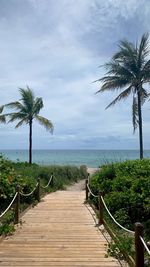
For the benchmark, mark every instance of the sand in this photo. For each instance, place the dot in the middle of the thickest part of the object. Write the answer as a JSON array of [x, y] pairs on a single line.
[[79, 186]]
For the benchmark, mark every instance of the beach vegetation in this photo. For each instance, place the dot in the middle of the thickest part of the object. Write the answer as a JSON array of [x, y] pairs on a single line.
[[126, 187], [26, 175], [25, 111], [128, 71]]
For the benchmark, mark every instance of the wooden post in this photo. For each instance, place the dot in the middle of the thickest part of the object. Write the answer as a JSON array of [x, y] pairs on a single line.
[[86, 189], [101, 208], [139, 248], [38, 191], [17, 205]]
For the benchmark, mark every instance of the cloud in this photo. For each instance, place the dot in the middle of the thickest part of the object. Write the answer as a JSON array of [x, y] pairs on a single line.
[[55, 47]]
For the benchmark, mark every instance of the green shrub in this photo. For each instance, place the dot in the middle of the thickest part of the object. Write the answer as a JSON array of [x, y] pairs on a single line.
[[25, 175], [126, 186], [6, 225]]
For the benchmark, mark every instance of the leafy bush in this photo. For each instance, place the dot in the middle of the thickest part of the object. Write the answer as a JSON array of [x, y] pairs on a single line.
[[122, 244], [126, 186], [6, 225], [25, 175]]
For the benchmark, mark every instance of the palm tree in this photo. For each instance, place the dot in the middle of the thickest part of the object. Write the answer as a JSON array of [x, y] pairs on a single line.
[[27, 109], [129, 68]]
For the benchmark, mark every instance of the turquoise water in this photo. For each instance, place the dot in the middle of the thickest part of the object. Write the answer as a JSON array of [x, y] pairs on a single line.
[[92, 158]]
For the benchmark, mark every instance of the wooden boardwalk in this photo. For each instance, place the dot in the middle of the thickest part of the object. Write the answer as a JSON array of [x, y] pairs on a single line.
[[59, 231]]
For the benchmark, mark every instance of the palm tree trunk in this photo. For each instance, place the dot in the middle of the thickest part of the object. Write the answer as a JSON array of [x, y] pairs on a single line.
[[30, 142], [140, 124]]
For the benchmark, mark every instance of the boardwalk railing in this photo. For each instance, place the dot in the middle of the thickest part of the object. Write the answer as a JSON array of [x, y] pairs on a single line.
[[140, 244], [19, 193]]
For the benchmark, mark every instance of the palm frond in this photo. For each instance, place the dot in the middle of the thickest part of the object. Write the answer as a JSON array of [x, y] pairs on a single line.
[[143, 50], [114, 68], [27, 98], [126, 52], [145, 71], [45, 122], [20, 123], [121, 96], [17, 116], [15, 105], [112, 83], [1, 108], [144, 95], [38, 105], [2, 118], [135, 120]]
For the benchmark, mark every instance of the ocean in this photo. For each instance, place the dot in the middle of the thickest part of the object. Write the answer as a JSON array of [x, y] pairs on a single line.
[[91, 158]]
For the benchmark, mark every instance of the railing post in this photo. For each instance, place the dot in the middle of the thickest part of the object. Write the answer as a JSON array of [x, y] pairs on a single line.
[[38, 190], [139, 248], [86, 189], [17, 205], [101, 208]]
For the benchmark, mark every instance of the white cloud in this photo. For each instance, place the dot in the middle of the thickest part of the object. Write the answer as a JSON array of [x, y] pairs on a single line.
[[55, 47]]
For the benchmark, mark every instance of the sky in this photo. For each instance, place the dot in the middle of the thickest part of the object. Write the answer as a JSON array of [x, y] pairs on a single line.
[[56, 47]]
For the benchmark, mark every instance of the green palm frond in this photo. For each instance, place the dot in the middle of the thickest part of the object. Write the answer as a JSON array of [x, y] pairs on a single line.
[[126, 52], [27, 98], [145, 72], [15, 105], [17, 116], [112, 83], [20, 123], [2, 118], [45, 122], [144, 95], [121, 96], [135, 113], [143, 51], [1, 108], [114, 68], [38, 105]]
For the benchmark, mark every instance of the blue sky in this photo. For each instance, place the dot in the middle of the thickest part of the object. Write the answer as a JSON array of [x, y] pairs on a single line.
[[55, 47]]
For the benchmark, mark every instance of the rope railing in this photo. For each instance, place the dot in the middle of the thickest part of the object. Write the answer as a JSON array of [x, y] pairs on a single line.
[[17, 195], [140, 244], [123, 228], [29, 194], [9, 206], [50, 180], [104, 204], [145, 245], [90, 191]]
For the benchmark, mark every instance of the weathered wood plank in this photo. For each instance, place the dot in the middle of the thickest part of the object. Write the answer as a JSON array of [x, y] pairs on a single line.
[[59, 231]]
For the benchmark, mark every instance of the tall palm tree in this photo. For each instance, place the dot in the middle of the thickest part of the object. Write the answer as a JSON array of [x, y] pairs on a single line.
[[129, 69], [27, 109]]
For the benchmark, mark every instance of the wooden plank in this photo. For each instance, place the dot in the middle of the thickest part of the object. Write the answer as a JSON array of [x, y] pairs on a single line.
[[59, 231]]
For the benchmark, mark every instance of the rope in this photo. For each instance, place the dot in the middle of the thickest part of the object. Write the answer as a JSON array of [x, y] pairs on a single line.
[[48, 182], [29, 194], [91, 191], [125, 229], [144, 244], [2, 214]]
